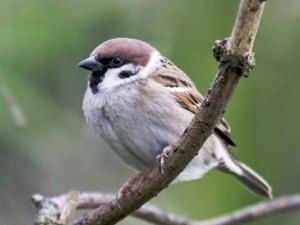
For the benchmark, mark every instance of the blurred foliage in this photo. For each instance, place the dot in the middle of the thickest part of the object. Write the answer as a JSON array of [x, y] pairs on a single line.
[[41, 43]]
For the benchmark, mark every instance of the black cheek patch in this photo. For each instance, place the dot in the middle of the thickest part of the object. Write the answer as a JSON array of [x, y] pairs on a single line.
[[126, 74], [95, 79], [94, 84]]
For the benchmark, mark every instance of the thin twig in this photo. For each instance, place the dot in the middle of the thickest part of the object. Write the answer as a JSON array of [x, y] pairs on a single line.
[[234, 62], [15, 110], [253, 212], [87, 200]]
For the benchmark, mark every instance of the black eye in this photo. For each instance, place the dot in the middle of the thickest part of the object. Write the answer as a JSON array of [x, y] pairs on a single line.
[[116, 62]]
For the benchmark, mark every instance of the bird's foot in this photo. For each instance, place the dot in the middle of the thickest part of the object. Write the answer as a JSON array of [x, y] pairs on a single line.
[[126, 189], [161, 158]]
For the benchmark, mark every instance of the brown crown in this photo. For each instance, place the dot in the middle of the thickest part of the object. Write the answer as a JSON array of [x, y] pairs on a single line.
[[129, 49]]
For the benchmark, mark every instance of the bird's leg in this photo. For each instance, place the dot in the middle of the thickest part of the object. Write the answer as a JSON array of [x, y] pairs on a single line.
[[126, 188], [161, 158]]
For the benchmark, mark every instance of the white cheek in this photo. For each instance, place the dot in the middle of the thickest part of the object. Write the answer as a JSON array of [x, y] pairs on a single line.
[[112, 78]]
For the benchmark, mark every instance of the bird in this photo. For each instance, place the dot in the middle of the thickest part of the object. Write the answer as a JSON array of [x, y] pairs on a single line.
[[139, 102]]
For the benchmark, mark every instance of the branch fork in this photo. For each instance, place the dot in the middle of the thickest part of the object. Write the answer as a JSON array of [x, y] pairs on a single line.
[[239, 64], [59, 210], [55, 211]]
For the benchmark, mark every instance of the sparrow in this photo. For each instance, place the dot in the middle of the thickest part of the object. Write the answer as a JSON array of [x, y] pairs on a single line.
[[140, 103]]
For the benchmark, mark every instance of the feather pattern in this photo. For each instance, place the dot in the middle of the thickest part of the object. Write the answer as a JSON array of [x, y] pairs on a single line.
[[187, 95], [140, 115]]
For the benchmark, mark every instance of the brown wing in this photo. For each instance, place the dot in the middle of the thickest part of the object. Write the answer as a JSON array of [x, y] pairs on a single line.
[[190, 99]]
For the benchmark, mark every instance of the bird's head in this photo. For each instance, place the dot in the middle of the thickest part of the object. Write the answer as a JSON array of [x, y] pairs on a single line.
[[120, 61]]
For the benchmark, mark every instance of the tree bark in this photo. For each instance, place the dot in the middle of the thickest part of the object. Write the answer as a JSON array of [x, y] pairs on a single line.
[[59, 210]]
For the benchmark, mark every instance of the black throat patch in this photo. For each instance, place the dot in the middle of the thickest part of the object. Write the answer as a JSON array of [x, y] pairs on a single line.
[[95, 78]]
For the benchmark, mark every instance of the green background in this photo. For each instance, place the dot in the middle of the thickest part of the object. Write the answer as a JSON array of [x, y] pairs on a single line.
[[41, 43]]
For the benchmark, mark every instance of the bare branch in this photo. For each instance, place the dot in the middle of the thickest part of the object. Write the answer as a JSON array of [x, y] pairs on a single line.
[[147, 212], [245, 27], [253, 212], [69, 208], [234, 62], [51, 211], [59, 210]]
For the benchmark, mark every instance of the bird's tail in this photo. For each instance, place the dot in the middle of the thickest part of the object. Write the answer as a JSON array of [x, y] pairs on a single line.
[[247, 176]]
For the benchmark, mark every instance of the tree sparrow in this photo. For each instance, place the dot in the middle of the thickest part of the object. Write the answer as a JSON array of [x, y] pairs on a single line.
[[140, 102]]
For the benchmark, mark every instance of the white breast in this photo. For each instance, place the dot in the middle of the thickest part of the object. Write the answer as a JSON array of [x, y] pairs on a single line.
[[138, 123]]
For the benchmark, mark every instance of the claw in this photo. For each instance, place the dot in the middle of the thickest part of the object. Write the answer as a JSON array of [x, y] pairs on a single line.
[[161, 159]]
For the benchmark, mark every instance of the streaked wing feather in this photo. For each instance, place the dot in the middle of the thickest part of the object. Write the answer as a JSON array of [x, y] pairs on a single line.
[[172, 77]]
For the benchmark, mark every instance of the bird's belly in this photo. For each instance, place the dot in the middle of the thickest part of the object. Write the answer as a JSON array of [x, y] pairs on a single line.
[[138, 133], [138, 146], [139, 137]]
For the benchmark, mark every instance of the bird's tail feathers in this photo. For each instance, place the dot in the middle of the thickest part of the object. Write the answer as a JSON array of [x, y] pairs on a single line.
[[247, 176]]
